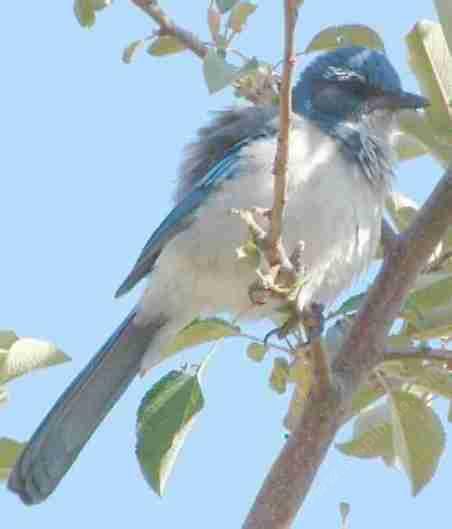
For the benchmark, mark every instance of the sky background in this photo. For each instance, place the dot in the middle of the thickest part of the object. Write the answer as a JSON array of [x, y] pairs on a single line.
[[90, 150]]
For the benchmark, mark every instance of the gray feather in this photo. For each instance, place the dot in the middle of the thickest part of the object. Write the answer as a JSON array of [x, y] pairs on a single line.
[[66, 429], [228, 128]]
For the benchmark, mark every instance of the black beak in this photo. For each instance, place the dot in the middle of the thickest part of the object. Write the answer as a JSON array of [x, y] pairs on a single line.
[[397, 101]]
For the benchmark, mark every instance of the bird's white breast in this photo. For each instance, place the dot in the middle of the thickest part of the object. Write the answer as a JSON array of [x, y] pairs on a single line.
[[331, 207]]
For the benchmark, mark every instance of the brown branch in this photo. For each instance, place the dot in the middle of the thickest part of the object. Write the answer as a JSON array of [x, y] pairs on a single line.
[[293, 472], [274, 239], [388, 237], [168, 27], [427, 353]]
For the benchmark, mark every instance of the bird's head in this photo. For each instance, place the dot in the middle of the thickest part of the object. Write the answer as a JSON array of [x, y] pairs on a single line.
[[351, 84], [353, 94]]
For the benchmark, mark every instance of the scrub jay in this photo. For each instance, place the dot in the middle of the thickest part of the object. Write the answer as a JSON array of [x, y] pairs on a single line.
[[340, 169]]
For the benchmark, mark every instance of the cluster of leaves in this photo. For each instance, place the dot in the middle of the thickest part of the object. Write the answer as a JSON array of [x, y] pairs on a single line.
[[19, 356]]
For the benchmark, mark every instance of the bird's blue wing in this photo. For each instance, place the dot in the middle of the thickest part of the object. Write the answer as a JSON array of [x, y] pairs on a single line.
[[182, 216]]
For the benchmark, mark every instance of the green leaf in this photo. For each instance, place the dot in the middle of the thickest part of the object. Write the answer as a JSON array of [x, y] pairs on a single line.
[[164, 418], [3, 396], [84, 11], [98, 5], [9, 452], [431, 63], [218, 73], [280, 375], [28, 354], [372, 434], [351, 305], [449, 412], [166, 45], [431, 324], [130, 52], [444, 10], [256, 351], [225, 5], [366, 395], [419, 438], [346, 35], [431, 375], [402, 209], [434, 294], [239, 15], [344, 509], [201, 331], [7, 338], [248, 253]]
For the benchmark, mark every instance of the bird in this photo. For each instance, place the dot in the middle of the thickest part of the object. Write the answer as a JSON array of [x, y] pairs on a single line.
[[341, 166]]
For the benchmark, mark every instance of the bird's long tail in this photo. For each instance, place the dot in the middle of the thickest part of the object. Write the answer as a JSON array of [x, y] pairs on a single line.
[[78, 412]]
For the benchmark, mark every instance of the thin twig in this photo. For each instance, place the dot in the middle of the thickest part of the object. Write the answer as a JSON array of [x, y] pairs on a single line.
[[274, 237], [168, 26]]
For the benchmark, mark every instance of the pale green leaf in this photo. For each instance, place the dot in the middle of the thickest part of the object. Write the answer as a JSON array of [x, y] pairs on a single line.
[[366, 395], [256, 351], [408, 146], [239, 15], [3, 396], [9, 452], [345, 35], [225, 5], [166, 45], [399, 341], [84, 11], [249, 254], [164, 418], [444, 10], [28, 354], [344, 509], [3, 356], [419, 438], [402, 209], [218, 73], [280, 375], [430, 375], [372, 434], [7, 338], [432, 324], [431, 62], [199, 332], [433, 295], [98, 5], [130, 52]]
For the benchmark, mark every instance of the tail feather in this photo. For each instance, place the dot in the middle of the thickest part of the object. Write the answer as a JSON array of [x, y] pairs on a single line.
[[78, 412]]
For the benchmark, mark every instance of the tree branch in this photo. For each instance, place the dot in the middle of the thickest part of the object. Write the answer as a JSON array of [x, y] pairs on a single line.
[[293, 472], [274, 240], [426, 353], [168, 27]]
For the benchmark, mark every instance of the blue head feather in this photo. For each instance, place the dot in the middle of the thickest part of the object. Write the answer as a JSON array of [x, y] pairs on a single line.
[[334, 91]]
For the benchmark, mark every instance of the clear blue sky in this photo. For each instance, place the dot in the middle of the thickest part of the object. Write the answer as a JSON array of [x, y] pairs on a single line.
[[90, 149]]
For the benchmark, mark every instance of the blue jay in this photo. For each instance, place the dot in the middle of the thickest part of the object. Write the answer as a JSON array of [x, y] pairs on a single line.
[[340, 169]]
